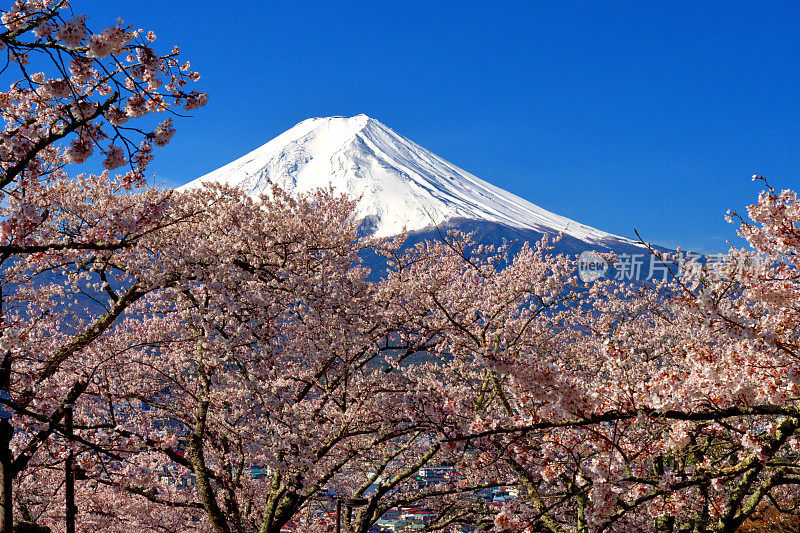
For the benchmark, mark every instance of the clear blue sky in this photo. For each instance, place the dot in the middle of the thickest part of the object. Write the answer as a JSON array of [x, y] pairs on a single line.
[[617, 114]]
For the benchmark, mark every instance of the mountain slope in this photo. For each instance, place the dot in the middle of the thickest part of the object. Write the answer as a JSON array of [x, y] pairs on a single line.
[[401, 184]]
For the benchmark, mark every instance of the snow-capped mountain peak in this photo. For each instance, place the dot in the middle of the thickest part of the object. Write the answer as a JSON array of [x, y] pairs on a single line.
[[401, 184]]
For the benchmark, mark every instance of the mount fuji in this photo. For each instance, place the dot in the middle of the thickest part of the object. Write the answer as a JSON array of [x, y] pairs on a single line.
[[401, 186]]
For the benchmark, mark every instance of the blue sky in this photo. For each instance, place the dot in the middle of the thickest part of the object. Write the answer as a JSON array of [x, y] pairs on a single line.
[[651, 115]]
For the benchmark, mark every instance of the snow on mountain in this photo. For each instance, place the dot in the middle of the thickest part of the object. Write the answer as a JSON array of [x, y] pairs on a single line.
[[401, 184]]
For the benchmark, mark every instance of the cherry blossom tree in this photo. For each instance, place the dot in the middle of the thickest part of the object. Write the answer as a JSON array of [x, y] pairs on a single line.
[[69, 245], [505, 333], [268, 378]]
